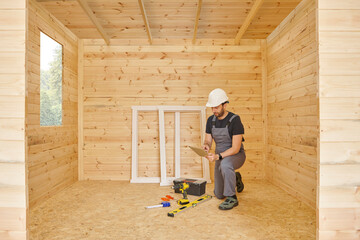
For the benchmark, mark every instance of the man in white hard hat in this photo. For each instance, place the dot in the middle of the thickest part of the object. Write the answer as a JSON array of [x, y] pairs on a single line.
[[226, 129]]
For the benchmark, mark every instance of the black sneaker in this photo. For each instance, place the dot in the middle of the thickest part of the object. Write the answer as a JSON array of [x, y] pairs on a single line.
[[229, 203], [239, 183]]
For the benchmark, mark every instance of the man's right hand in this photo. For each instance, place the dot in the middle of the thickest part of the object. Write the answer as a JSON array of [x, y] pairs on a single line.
[[206, 147]]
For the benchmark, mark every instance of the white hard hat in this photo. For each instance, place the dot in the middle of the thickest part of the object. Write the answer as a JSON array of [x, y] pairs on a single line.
[[216, 97]]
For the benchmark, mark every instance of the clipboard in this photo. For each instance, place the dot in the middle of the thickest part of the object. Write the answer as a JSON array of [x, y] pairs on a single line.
[[199, 151]]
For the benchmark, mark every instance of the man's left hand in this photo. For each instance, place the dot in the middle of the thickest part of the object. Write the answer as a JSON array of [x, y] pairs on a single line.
[[212, 157]]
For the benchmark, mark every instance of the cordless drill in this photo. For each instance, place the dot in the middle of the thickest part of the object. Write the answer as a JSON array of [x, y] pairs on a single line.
[[182, 188]]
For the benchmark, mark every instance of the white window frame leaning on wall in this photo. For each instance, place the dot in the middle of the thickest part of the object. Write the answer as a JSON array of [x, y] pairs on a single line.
[[163, 179]]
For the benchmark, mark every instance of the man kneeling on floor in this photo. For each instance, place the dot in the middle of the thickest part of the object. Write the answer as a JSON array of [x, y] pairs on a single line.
[[227, 131]]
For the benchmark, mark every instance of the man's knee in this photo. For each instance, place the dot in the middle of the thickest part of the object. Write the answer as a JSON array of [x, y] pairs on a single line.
[[226, 166]]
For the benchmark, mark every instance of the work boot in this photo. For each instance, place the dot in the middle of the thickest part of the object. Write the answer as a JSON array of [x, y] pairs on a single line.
[[239, 183], [229, 203]]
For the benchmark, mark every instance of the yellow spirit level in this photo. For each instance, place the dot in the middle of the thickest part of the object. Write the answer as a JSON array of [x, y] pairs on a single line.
[[187, 206]]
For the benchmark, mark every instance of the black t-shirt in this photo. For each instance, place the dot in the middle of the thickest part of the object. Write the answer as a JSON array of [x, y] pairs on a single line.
[[235, 128]]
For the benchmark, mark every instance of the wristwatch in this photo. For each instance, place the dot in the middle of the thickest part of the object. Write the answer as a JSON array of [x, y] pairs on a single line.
[[220, 157]]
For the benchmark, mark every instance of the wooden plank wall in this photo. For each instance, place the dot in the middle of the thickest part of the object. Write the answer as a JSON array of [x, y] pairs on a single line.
[[339, 92], [292, 104], [169, 72], [52, 151], [13, 191]]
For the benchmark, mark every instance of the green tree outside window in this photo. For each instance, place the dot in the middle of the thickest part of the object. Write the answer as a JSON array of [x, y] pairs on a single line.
[[50, 82]]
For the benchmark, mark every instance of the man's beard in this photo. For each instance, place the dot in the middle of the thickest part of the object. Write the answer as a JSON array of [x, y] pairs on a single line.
[[221, 113]]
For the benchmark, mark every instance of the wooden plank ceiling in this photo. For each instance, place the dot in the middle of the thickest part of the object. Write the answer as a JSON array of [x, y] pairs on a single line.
[[170, 19]]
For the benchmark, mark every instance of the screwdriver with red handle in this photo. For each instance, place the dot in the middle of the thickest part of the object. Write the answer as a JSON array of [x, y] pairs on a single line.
[[167, 198]]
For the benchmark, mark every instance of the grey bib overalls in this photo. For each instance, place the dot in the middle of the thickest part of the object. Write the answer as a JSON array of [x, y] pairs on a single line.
[[224, 173]]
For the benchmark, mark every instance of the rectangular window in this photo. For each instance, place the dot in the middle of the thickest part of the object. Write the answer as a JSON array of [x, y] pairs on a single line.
[[51, 53]]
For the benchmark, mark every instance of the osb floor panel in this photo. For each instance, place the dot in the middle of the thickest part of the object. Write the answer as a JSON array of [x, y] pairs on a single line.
[[115, 210]]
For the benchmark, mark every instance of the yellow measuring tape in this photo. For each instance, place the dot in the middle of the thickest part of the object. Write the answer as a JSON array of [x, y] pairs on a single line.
[[187, 206]]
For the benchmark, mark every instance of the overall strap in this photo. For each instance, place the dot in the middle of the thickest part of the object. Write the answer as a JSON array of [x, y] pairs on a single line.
[[228, 123], [213, 121]]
